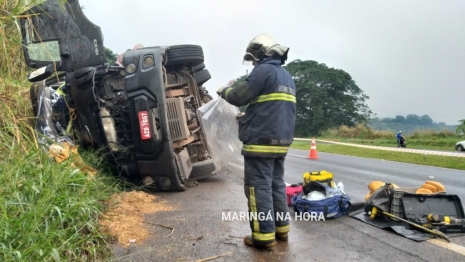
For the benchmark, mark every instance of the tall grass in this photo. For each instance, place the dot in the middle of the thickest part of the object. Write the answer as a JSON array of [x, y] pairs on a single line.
[[421, 139], [362, 131], [48, 211]]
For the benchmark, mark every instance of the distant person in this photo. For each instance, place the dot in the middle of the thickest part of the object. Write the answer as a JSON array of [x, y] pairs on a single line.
[[399, 138]]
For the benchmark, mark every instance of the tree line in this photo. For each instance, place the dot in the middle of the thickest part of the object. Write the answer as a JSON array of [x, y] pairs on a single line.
[[409, 123]]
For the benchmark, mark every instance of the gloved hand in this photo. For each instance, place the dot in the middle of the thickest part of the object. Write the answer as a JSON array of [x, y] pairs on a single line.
[[241, 114], [220, 90]]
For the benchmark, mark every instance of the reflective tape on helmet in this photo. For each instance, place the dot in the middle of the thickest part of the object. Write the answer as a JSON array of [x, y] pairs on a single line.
[[265, 149], [276, 97]]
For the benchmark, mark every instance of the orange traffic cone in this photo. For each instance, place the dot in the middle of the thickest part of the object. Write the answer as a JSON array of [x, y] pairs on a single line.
[[313, 154]]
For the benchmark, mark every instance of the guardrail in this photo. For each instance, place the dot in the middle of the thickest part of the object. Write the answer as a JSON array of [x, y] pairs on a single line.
[[395, 149]]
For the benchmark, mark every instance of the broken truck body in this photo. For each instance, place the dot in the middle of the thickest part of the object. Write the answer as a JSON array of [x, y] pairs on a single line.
[[143, 113]]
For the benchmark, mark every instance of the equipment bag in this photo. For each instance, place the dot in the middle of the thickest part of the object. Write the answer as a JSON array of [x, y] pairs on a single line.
[[292, 190], [381, 199], [322, 176], [331, 207]]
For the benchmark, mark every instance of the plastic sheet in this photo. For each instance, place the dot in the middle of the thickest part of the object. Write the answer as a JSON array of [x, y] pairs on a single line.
[[52, 116], [219, 122], [51, 124]]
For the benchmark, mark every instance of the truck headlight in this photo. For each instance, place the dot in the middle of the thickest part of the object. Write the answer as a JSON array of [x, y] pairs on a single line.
[[131, 68]]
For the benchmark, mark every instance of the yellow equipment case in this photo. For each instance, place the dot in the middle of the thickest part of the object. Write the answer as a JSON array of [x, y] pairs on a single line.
[[322, 176]]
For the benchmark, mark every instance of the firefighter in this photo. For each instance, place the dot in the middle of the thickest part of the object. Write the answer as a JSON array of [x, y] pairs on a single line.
[[266, 131]]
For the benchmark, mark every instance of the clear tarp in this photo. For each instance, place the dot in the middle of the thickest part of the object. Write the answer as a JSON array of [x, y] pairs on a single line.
[[52, 116], [53, 126], [219, 121]]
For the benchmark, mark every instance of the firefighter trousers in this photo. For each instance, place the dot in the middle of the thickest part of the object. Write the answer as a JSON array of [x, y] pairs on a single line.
[[265, 190]]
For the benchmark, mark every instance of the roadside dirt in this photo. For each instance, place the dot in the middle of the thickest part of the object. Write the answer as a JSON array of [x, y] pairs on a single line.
[[125, 219]]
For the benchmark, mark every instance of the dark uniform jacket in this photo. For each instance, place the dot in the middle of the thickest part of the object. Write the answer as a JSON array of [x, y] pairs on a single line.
[[267, 127]]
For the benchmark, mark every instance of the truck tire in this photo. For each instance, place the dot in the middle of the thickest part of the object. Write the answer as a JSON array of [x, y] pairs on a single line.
[[189, 55], [198, 68], [202, 77]]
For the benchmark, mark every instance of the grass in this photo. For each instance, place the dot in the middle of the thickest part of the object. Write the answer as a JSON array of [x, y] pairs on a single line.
[[429, 160], [48, 211]]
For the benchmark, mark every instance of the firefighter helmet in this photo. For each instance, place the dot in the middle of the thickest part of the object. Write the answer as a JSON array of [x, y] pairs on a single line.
[[263, 46]]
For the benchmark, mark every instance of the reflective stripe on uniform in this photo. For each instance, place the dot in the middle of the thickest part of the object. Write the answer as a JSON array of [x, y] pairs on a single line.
[[265, 149], [253, 209], [283, 229], [276, 97], [263, 236]]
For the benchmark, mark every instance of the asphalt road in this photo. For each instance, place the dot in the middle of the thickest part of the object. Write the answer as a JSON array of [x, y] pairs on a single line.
[[200, 232]]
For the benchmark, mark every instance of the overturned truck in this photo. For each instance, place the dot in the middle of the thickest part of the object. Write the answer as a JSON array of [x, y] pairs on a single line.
[[142, 112]]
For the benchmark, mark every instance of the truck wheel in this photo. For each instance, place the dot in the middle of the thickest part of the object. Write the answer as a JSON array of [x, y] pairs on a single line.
[[190, 55], [202, 77], [198, 68]]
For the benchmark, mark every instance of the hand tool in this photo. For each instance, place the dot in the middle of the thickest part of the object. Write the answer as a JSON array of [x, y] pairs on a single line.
[[434, 232], [440, 218]]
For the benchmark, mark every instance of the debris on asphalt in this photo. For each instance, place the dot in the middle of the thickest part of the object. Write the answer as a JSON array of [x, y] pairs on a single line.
[[210, 258], [124, 220]]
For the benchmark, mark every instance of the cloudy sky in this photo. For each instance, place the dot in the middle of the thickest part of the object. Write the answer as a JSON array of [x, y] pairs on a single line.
[[407, 56]]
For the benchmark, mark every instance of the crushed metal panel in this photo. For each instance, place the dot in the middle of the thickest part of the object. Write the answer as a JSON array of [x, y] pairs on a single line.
[[60, 32]]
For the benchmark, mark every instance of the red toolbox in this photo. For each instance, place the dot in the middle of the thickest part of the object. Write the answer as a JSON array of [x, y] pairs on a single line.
[[291, 191]]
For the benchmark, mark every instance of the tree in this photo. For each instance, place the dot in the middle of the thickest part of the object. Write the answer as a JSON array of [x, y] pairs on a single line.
[[413, 119], [461, 127], [426, 120], [326, 98], [110, 56], [400, 119]]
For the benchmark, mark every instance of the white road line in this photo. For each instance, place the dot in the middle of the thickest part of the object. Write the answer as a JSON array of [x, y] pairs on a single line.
[[296, 155], [448, 245]]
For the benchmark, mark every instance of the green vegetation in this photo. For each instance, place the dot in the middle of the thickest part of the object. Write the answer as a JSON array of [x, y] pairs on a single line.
[[437, 161], [460, 130], [409, 124], [48, 211], [110, 56], [362, 134]]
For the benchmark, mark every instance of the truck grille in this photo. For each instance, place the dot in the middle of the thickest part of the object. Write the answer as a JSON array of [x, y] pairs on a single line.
[[177, 119]]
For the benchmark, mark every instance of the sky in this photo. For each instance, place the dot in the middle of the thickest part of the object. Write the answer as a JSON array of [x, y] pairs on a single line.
[[407, 56]]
